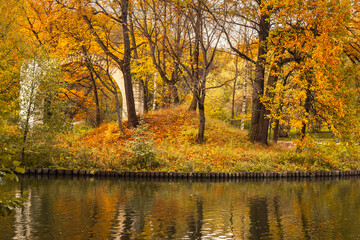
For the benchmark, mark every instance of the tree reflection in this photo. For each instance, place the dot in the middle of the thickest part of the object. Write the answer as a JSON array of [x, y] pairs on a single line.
[[118, 209], [259, 218]]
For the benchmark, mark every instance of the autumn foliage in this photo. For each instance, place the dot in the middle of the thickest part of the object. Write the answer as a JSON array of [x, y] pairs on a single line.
[[276, 70], [173, 135]]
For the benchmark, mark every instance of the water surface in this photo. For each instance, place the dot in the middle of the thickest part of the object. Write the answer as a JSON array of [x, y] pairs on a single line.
[[92, 208]]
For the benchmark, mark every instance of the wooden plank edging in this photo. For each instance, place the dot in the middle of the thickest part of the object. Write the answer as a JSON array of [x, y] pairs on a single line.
[[192, 175]]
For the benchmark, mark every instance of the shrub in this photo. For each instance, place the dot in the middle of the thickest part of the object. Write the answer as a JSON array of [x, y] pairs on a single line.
[[7, 206], [142, 150], [187, 166]]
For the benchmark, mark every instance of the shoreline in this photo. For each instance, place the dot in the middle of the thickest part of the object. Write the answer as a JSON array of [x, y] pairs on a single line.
[[192, 175]]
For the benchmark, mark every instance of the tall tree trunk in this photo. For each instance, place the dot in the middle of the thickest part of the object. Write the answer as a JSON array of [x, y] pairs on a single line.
[[174, 92], [146, 96], [30, 108], [273, 78], [88, 65], [126, 67], [172, 84], [124, 64], [96, 98], [307, 106], [243, 108], [257, 131], [118, 110], [234, 91], [277, 121], [247, 73], [201, 133], [27, 126], [26, 131], [133, 39], [155, 92], [47, 108], [194, 101], [196, 75], [276, 131]]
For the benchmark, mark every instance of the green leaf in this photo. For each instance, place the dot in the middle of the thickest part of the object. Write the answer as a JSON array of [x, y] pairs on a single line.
[[20, 170], [16, 163]]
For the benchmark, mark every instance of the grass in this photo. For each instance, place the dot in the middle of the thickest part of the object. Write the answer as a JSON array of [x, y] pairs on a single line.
[[322, 136], [171, 135]]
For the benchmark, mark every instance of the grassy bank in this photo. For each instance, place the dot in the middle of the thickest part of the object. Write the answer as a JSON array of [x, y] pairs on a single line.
[[165, 141]]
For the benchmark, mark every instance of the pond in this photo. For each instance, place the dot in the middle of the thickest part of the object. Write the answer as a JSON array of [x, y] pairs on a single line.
[[95, 208]]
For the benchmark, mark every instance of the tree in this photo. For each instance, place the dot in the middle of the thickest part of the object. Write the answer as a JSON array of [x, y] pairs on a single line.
[[154, 20], [308, 44], [12, 51], [117, 12], [254, 15], [203, 38], [289, 33], [107, 21]]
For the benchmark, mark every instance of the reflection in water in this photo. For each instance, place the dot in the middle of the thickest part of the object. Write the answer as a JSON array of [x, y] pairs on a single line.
[[87, 208], [258, 217], [23, 215]]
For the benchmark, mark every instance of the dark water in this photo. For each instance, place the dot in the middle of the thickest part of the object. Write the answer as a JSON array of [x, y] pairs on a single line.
[[118, 209]]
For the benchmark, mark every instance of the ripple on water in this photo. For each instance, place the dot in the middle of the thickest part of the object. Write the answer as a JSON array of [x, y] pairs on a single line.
[[116, 209]]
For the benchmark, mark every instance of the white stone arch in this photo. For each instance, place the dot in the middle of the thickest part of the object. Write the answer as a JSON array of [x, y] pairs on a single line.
[[29, 84], [118, 76]]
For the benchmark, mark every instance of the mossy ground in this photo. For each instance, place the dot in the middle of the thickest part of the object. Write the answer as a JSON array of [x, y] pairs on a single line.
[[172, 136]]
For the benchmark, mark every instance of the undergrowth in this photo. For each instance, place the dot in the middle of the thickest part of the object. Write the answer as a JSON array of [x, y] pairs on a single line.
[[166, 141]]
